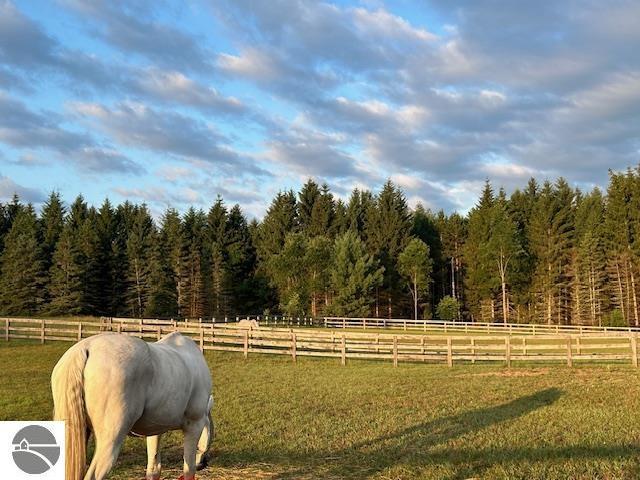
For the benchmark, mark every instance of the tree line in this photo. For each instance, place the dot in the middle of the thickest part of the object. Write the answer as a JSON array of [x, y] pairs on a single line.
[[547, 253]]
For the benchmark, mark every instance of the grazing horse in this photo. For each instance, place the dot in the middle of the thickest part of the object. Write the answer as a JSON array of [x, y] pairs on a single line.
[[115, 385]]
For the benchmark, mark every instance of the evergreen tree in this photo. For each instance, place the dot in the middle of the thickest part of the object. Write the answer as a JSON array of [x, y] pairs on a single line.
[[288, 273], [240, 260], [479, 271], [22, 275], [52, 221], [307, 198], [65, 289], [193, 264], [359, 204], [590, 259], [387, 230], [551, 240], [354, 276], [322, 214], [139, 255], [280, 220], [216, 232]]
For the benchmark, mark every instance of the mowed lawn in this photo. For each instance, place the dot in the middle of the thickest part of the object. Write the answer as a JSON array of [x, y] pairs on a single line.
[[316, 419]]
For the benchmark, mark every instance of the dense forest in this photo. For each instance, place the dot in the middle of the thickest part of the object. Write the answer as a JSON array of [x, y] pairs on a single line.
[[547, 253]]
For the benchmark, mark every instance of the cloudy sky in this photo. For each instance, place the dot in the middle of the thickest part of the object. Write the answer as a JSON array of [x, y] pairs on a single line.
[[172, 103]]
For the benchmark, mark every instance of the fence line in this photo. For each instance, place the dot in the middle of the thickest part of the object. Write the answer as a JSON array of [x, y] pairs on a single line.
[[447, 349]]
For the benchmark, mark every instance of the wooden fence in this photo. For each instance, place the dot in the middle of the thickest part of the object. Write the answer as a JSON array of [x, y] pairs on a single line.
[[446, 349], [470, 327]]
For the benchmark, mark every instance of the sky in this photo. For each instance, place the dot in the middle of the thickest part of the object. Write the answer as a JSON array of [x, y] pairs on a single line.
[[174, 103]]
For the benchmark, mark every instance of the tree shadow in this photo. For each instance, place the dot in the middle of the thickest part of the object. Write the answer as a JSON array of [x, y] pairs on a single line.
[[411, 445], [418, 446]]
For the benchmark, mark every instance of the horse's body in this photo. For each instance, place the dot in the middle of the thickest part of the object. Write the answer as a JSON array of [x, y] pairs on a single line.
[[115, 385], [248, 324]]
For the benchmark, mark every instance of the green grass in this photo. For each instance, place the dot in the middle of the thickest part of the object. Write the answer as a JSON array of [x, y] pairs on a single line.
[[318, 420]]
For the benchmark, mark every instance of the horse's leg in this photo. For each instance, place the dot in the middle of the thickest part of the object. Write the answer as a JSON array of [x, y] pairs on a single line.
[[192, 432], [154, 465], [204, 443], [108, 444]]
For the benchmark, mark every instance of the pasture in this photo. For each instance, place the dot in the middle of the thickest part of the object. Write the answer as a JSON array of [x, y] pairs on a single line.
[[314, 419]]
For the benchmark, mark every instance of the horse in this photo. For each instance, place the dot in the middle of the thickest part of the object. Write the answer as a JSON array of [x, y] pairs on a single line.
[[247, 324], [113, 385]]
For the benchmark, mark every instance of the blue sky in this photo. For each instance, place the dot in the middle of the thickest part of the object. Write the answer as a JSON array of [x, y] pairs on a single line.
[[173, 103]]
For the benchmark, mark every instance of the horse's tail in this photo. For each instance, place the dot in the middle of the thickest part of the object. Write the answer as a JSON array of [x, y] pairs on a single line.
[[67, 383]]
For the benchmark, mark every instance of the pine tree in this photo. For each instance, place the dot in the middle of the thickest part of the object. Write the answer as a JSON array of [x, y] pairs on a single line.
[[340, 224], [65, 289], [551, 240], [478, 281], [307, 199], [193, 264], [387, 230], [105, 225], [22, 273], [280, 220], [354, 276], [139, 253], [288, 273], [162, 300], [216, 232], [52, 224], [591, 296], [240, 260], [322, 214], [359, 204]]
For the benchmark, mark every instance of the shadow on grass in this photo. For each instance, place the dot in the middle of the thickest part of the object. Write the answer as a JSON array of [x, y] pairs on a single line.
[[415, 447]]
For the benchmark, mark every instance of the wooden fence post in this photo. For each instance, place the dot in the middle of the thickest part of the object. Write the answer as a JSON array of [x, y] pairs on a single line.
[[201, 340], [42, 331], [79, 331], [7, 322], [634, 350], [569, 357], [246, 344], [507, 345], [473, 350], [293, 347], [343, 354], [119, 328], [395, 350], [578, 346], [159, 333], [449, 352]]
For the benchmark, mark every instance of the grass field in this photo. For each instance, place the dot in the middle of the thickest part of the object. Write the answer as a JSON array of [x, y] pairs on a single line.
[[315, 419]]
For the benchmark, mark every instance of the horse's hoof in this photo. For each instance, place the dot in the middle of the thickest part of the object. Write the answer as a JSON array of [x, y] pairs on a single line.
[[203, 464]]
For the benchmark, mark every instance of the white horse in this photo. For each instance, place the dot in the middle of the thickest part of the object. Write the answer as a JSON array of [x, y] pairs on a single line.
[[115, 385], [248, 324]]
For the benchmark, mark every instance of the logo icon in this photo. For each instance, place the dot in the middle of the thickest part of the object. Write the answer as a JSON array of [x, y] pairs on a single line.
[[35, 449]]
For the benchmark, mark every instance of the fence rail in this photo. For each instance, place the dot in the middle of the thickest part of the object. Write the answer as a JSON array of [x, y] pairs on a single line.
[[294, 342]]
